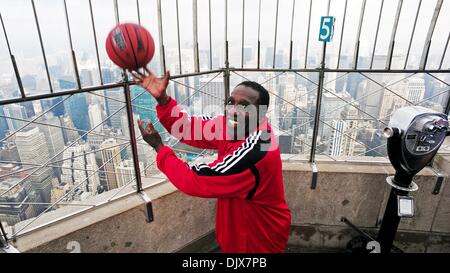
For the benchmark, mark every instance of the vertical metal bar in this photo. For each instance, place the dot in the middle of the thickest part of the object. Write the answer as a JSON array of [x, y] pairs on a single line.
[[447, 107], [178, 35], [242, 51], [376, 34], [195, 35], [42, 46], [13, 60], [444, 53], [412, 34], [318, 106], [394, 32], [210, 40], [5, 237], [275, 39], [95, 43], [426, 47], [226, 20], [227, 64], [319, 99], [361, 18], [307, 35], [129, 107], [161, 40], [116, 12], [290, 39], [74, 59], [138, 12], [342, 35], [259, 33]]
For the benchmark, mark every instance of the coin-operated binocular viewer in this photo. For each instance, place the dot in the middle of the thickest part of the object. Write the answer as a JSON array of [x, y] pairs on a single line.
[[413, 137]]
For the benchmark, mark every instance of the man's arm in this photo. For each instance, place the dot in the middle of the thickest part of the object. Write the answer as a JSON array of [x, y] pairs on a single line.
[[235, 175], [200, 132]]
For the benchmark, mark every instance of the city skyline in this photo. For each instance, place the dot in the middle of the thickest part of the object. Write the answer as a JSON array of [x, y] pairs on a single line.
[[83, 140]]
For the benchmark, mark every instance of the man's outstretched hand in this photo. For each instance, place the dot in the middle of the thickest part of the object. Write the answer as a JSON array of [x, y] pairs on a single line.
[[150, 135], [154, 85]]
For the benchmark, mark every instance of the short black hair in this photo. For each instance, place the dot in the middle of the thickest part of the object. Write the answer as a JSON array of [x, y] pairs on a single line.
[[264, 97]]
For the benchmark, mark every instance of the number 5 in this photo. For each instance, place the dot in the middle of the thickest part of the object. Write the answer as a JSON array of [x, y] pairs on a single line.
[[326, 28]]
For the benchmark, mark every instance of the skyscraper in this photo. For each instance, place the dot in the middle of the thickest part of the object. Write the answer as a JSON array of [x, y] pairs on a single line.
[[111, 159], [14, 111], [54, 139], [416, 89], [32, 147], [69, 135], [212, 96], [86, 77], [80, 167], [392, 101], [332, 106], [126, 172], [58, 110], [77, 109], [115, 100], [3, 123], [335, 145], [21, 210], [95, 117]]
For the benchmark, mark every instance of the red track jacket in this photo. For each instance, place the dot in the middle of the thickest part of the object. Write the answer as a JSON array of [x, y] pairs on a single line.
[[252, 214]]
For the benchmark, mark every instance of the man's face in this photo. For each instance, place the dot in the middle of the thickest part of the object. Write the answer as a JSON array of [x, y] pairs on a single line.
[[241, 111]]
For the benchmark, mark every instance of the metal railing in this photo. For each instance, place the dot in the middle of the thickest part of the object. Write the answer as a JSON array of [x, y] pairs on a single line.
[[312, 140]]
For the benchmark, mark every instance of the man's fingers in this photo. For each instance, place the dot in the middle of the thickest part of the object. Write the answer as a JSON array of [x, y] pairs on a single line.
[[140, 74], [136, 76], [150, 127], [167, 75], [148, 71], [141, 125]]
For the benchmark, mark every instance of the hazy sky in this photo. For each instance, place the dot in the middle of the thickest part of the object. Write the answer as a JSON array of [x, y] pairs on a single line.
[[21, 28]]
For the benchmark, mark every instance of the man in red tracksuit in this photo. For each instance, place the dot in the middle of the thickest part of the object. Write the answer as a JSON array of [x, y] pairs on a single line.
[[252, 213]]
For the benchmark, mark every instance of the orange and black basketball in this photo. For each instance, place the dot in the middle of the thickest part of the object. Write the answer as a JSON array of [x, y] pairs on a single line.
[[130, 46]]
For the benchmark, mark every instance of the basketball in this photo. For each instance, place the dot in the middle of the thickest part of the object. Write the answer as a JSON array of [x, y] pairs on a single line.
[[130, 46]]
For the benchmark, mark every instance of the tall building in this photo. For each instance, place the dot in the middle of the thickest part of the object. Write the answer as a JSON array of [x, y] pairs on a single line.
[[213, 96], [15, 111], [392, 101], [335, 144], [343, 140], [332, 107], [86, 77], [54, 139], [126, 172], [114, 101], [416, 89], [95, 117], [20, 210], [3, 123], [76, 107], [32, 147], [80, 166], [57, 110], [370, 95], [69, 135], [111, 160], [351, 146]]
